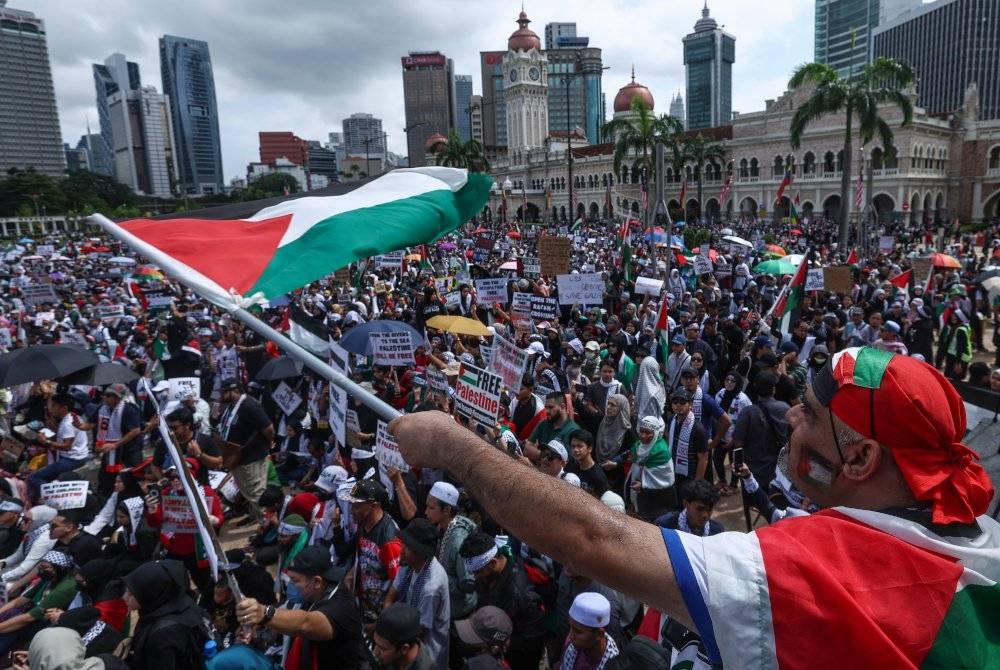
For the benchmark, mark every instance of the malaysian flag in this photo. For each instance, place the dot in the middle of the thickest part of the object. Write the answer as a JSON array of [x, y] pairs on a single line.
[[785, 183], [859, 190], [644, 197], [726, 188], [683, 196]]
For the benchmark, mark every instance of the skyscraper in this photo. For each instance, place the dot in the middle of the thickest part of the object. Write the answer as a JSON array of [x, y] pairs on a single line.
[[463, 106], [143, 147], [359, 128], [493, 108], [477, 118], [283, 144], [115, 74], [844, 28], [29, 120], [709, 54], [950, 44], [186, 69], [677, 108], [555, 30], [428, 98], [576, 72]]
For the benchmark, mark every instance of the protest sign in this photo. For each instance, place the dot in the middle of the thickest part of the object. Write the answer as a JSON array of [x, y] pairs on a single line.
[[36, 294], [45, 249], [64, 495], [6, 340], [182, 387], [387, 449], [886, 243], [442, 283], [393, 261], [343, 275], [337, 415], [531, 267], [352, 421], [492, 290], [286, 399], [157, 300], [178, 517], [42, 318], [648, 286], [477, 394], [581, 289], [544, 308], [437, 380], [508, 361], [921, 268], [109, 312], [520, 305], [392, 348], [702, 265], [815, 279], [340, 359], [72, 338], [553, 255], [838, 279], [486, 351], [452, 299]]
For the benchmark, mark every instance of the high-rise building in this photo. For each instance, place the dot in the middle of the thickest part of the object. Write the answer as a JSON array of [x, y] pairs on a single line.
[[575, 78], [143, 147], [476, 120], [677, 108], [950, 44], [709, 54], [493, 109], [87, 143], [76, 159], [186, 69], [844, 29], [322, 161], [115, 74], [363, 135], [283, 144], [555, 30], [428, 98], [463, 106], [29, 120], [526, 88]]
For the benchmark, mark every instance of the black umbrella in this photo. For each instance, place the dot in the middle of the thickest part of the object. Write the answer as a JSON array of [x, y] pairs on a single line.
[[102, 374], [43, 361], [283, 367]]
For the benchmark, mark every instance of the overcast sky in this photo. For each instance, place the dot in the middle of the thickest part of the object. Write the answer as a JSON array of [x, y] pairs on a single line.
[[304, 65]]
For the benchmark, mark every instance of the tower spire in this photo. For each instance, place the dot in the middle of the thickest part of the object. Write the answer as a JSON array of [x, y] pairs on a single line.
[[633, 73]]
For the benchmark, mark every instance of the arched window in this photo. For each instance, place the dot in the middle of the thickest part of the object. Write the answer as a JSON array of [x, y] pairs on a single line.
[[809, 163], [840, 161], [828, 162], [669, 176], [754, 168], [744, 169], [778, 169], [994, 158]]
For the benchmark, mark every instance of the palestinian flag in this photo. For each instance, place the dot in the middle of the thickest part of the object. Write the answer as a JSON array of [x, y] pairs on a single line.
[[576, 225], [852, 258], [903, 280], [792, 298], [287, 245], [627, 370], [771, 598], [306, 330]]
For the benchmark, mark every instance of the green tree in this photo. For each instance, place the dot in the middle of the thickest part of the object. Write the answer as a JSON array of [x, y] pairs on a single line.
[[30, 191], [270, 185], [453, 152], [857, 97], [87, 192], [701, 151]]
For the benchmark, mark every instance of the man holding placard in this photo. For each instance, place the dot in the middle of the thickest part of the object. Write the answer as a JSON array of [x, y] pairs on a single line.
[[69, 444]]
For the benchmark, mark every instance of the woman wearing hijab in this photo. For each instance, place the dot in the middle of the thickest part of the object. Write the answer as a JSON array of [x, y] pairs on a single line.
[[100, 586], [651, 479], [733, 401], [97, 635], [59, 648], [24, 616], [170, 634], [614, 439], [126, 544], [676, 285], [35, 544], [650, 395], [126, 486]]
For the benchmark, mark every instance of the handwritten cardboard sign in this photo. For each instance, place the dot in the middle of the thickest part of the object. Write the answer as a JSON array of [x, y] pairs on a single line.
[[581, 289], [64, 495], [554, 255]]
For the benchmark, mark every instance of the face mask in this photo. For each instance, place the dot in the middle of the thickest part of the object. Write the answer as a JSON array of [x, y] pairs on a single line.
[[47, 574]]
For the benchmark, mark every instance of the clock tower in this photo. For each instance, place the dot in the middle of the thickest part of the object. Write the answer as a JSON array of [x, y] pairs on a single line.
[[526, 89]]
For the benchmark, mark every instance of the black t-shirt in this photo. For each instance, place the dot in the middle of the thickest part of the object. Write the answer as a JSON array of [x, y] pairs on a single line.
[[205, 443], [592, 480], [245, 430], [84, 547], [344, 650]]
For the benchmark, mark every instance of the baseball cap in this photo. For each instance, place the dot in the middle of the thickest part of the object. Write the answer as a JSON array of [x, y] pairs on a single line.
[[558, 448], [869, 389], [367, 490], [330, 477], [117, 390], [445, 492], [591, 609], [537, 348], [230, 384], [678, 339], [315, 560], [788, 347], [399, 623], [763, 341], [592, 345], [488, 625], [891, 325]]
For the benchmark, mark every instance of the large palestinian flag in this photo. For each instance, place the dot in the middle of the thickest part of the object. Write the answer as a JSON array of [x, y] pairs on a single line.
[[287, 245], [844, 588]]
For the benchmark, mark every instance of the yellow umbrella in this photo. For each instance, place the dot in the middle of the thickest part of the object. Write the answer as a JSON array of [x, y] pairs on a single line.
[[413, 257], [459, 325]]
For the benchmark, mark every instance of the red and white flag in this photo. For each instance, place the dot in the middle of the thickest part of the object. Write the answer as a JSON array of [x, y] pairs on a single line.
[[859, 191]]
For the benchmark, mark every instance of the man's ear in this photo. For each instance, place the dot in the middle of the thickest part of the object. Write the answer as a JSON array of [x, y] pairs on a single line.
[[862, 460]]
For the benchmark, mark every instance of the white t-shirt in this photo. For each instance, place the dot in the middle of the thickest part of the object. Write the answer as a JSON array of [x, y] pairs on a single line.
[[81, 445]]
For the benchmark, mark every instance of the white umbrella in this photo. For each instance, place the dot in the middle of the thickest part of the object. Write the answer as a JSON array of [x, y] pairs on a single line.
[[121, 260], [992, 286], [794, 259], [738, 240], [509, 265], [727, 231]]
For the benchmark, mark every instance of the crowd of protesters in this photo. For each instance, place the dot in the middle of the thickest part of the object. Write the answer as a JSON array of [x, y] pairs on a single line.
[[659, 404]]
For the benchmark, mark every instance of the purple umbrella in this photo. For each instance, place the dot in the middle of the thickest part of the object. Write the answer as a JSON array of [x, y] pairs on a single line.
[[447, 246]]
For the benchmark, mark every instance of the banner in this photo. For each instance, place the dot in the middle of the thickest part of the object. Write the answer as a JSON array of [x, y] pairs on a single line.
[[182, 387], [702, 265], [64, 495], [581, 289], [178, 517], [36, 294], [337, 415], [387, 449], [393, 261], [532, 267], [508, 361], [158, 300], [491, 290], [544, 308], [520, 305], [648, 286], [286, 399], [392, 348], [477, 394], [554, 254], [815, 279]]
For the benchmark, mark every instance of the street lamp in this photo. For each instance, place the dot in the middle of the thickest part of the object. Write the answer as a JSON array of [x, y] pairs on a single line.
[[367, 141], [508, 185], [406, 131], [565, 80]]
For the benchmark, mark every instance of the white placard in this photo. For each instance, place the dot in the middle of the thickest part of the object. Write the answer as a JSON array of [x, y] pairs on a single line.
[[437, 380], [64, 495], [477, 394], [392, 348], [393, 261], [41, 318], [486, 352], [387, 449], [648, 286], [532, 267], [702, 265], [286, 399], [45, 249], [520, 305], [109, 312], [340, 359], [353, 424], [814, 280], [182, 387], [508, 361], [492, 290], [178, 517], [581, 289], [36, 294], [886, 243], [452, 299], [337, 414]]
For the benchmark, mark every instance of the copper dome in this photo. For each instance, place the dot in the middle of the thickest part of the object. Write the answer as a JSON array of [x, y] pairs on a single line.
[[630, 91], [523, 38], [433, 140]]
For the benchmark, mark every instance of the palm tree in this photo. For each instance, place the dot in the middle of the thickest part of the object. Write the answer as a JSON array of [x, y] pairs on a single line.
[[455, 153], [701, 150], [884, 80], [637, 135]]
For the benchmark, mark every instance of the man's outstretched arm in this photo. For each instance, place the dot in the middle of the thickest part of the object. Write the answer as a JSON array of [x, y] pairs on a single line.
[[553, 517]]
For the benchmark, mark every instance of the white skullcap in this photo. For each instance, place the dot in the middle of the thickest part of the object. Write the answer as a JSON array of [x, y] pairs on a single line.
[[591, 609], [445, 492]]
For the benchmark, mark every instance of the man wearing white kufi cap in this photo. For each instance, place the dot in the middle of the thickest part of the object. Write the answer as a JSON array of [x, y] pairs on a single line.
[[442, 510], [588, 645]]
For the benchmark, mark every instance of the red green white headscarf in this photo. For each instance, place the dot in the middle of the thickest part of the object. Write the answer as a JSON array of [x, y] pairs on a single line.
[[911, 409]]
